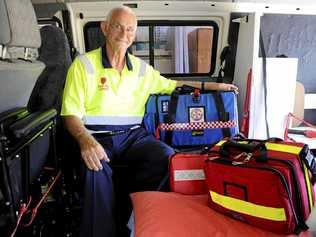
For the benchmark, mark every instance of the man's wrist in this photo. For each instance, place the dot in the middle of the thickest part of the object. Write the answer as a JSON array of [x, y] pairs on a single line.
[[85, 138]]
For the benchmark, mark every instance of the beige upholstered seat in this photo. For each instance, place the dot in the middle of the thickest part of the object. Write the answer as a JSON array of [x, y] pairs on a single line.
[[298, 103], [18, 71]]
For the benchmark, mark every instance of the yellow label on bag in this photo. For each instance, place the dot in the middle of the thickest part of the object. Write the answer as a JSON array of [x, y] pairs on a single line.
[[244, 207], [284, 148]]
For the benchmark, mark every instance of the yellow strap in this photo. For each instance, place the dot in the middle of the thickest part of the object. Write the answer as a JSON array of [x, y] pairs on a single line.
[[223, 141], [308, 185], [284, 148], [269, 213], [273, 147]]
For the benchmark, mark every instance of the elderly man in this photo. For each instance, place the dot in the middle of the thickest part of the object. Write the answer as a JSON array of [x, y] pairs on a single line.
[[106, 90]]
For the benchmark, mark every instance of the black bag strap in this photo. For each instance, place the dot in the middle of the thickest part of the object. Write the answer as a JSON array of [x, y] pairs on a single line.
[[173, 103], [222, 114], [225, 54], [171, 116], [172, 106]]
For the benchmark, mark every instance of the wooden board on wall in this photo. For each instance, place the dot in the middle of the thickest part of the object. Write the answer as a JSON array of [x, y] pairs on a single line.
[[200, 50]]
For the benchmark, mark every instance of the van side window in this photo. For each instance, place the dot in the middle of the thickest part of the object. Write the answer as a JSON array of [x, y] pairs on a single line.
[[183, 48]]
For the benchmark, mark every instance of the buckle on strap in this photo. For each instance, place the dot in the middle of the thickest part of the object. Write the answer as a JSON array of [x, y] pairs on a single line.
[[113, 132]]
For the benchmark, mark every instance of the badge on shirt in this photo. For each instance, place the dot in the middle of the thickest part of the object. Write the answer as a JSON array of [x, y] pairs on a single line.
[[102, 84]]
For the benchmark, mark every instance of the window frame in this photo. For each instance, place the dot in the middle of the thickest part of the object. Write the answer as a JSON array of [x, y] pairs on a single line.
[[152, 24]]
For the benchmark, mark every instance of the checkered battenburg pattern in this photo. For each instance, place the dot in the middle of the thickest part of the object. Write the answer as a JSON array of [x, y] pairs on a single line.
[[197, 125]]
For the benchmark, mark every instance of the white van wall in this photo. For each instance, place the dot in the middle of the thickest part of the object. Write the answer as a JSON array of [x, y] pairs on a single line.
[[82, 13]]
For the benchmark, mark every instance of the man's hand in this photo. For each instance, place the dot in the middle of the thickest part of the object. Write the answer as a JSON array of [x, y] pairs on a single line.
[[92, 152], [227, 87]]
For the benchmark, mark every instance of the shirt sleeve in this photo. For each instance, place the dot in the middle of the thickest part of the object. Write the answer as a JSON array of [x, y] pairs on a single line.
[[160, 84], [74, 92]]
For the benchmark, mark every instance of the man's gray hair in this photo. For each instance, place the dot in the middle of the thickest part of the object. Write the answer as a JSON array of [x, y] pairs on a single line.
[[118, 9]]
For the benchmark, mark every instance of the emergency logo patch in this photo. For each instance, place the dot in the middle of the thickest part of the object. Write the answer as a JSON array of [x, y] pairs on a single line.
[[196, 114], [102, 84], [164, 106]]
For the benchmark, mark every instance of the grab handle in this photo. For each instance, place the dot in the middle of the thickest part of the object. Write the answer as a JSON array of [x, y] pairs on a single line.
[[257, 149]]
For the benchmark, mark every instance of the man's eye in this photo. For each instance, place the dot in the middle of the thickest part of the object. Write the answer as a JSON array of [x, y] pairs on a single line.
[[130, 29]]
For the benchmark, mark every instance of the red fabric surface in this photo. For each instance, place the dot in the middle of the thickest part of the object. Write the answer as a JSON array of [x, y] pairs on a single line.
[[159, 214], [186, 162]]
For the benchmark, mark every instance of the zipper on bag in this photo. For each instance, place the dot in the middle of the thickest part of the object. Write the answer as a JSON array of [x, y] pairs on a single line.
[[298, 193]]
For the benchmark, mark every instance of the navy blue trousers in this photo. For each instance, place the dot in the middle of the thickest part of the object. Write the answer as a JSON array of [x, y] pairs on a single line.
[[146, 162]]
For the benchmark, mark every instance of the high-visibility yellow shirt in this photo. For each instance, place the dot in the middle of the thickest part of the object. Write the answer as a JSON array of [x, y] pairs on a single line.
[[100, 95]]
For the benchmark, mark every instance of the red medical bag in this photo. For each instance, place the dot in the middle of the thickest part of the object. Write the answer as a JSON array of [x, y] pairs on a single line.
[[187, 174], [267, 184]]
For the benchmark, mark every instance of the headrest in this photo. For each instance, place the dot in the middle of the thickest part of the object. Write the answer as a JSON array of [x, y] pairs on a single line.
[[55, 47], [18, 24]]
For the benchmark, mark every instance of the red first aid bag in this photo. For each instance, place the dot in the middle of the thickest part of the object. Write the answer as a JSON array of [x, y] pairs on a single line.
[[187, 174], [267, 184]]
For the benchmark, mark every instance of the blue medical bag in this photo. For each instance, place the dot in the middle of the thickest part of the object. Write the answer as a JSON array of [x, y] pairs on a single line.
[[191, 117]]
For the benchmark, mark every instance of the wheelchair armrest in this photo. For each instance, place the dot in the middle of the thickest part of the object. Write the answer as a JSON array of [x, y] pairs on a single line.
[[12, 115], [32, 122]]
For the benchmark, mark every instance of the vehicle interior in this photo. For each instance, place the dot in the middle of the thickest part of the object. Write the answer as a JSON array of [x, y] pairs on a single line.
[[205, 41]]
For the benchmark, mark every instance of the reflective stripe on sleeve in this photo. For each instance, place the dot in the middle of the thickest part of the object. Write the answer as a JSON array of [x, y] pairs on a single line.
[[142, 68], [112, 120], [86, 62]]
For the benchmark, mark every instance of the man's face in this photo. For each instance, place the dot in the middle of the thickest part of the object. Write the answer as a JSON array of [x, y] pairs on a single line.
[[120, 31]]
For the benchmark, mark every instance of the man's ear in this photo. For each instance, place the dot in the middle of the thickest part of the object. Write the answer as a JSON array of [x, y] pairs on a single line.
[[104, 27]]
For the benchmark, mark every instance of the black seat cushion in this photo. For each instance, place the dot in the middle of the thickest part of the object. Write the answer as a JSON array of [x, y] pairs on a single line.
[[55, 53]]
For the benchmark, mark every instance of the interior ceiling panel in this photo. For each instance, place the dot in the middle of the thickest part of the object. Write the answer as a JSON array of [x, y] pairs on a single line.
[[47, 1], [62, 1], [241, 1]]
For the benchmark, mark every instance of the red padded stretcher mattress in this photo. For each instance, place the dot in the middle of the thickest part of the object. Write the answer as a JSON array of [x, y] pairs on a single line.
[[159, 214]]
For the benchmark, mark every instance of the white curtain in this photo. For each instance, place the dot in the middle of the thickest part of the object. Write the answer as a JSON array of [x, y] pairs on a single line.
[[181, 49]]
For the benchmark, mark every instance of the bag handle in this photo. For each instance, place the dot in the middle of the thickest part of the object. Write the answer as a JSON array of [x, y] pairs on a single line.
[[258, 149], [172, 107]]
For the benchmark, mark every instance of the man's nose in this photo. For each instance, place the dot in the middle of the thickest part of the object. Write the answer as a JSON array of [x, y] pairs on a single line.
[[123, 32]]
